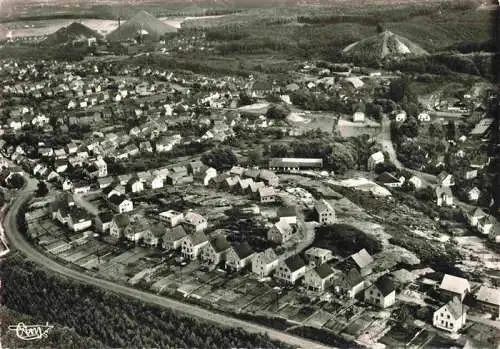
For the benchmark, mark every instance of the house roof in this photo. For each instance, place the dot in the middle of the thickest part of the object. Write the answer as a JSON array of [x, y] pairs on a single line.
[[268, 255], [77, 214], [294, 262], [442, 176], [252, 173], [455, 307], [324, 270], [323, 205], [121, 220], [243, 250], [158, 229], [385, 285], [267, 175], [454, 284], [317, 251], [175, 233], [117, 199], [387, 177], [106, 216], [488, 295], [477, 212], [237, 170], [443, 191], [296, 162], [266, 191], [219, 243], [362, 258], [287, 211], [378, 156], [198, 238], [351, 278]]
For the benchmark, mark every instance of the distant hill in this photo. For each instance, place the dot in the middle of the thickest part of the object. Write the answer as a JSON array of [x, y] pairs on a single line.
[[142, 22], [384, 45], [74, 31]]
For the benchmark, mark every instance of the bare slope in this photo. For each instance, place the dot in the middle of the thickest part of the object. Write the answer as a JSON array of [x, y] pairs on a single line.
[[142, 21], [384, 45], [74, 31]]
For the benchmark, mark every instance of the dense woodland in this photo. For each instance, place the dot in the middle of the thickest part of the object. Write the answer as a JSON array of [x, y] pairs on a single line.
[[116, 320]]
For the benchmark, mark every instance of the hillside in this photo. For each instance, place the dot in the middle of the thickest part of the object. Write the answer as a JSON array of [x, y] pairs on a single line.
[[384, 45], [142, 22], [75, 31]]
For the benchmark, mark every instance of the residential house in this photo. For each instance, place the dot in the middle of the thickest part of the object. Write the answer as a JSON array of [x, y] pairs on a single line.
[[61, 165], [103, 221], [325, 212], [281, 232], [102, 167], [474, 215], [146, 147], [444, 196], [390, 180], [488, 299], [105, 182], [473, 194], [156, 182], [375, 159], [269, 177], [215, 251], [195, 222], [486, 224], [349, 283], [267, 195], [454, 286], [382, 293], [287, 214], [239, 256], [358, 116], [192, 245], [120, 203], [318, 279], [294, 164], [471, 174], [137, 229], [71, 148], [78, 219], [265, 262], [195, 167], [173, 237], [417, 182], [451, 316], [118, 225], [172, 218], [81, 187], [237, 171], [134, 185], [207, 175], [152, 236], [316, 256], [445, 179], [291, 269]]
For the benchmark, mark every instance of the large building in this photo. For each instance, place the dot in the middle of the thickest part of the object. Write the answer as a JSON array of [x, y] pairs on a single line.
[[294, 164]]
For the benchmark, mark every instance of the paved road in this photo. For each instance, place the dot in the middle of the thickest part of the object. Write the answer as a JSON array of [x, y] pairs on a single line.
[[17, 241]]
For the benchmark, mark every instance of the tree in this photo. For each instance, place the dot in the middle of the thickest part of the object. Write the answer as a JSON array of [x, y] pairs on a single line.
[[408, 186], [2, 198], [451, 130], [244, 99], [16, 181], [220, 158], [277, 112], [254, 157], [42, 188]]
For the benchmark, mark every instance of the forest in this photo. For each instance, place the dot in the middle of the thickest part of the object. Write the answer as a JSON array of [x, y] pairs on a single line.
[[116, 321]]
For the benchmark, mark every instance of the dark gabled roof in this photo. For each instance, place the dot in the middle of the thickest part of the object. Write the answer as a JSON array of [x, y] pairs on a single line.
[[117, 199], [121, 220], [243, 250], [386, 177], [352, 278], [324, 270], [78, 214], [294, 262], [219, 243], [175, 233], [287, 211], [385, 285], [109, 188], [106, 216], [158, 229], [455, 307]]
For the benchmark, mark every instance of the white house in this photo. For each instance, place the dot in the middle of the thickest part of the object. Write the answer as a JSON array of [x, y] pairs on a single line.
[[382, 293], [358, 116], [291, 269], [102, 167], [445, 179], [473, 194], [281, 232], [78, 219], [239, 256], [173, 218], [316, 256], [474, 215], [195, 221], [451, 316], [485, 224], [319, 278], [192, 245], [444, 196], [121, 204], [324, 212], [375, 159], [265, 262], [454, 286], [157, 182]]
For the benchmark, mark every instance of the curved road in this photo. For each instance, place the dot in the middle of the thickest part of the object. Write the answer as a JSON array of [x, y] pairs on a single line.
[[17, 241]]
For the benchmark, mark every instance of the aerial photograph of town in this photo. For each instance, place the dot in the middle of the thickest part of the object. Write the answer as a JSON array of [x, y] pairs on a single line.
[[249, 174]]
